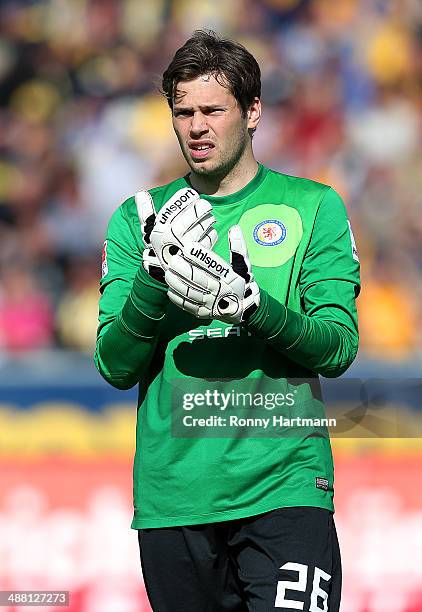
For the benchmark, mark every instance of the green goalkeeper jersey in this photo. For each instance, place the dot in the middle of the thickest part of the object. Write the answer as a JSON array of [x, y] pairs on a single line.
[[304, 260]]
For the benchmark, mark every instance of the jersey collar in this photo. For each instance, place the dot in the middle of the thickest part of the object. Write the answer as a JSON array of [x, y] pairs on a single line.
[[236, 197]]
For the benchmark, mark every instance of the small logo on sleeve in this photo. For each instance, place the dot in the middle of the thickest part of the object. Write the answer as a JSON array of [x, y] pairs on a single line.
[[104, 265], [321, 483], [353, 241], [269, 233]]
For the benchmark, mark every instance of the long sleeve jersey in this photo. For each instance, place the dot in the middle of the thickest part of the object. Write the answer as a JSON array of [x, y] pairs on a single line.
[[304, 260]]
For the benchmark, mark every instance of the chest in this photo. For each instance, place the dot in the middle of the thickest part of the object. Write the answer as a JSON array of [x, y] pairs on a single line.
[[274, 235]]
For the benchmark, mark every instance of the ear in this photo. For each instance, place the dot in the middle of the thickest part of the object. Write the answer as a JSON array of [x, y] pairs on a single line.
[[254, 113]]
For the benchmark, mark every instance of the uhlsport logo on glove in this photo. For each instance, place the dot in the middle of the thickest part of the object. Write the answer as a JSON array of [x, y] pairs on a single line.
[[175, 205], [185, 218], [203, 284], [209, 261]]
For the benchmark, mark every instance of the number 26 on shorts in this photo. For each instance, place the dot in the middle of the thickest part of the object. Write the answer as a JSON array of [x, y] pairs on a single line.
[[319, 597]]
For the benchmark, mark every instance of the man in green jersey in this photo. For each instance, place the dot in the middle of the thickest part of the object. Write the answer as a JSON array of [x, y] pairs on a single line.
[[234, 281]]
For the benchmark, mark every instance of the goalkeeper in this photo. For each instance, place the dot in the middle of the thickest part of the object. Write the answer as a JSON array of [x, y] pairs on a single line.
[[235, 272]]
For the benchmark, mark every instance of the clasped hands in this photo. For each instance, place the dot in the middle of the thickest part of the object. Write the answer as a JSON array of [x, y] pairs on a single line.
[[178, 251]]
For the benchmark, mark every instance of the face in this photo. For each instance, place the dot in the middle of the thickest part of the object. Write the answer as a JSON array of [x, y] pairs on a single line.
[[209, 124]]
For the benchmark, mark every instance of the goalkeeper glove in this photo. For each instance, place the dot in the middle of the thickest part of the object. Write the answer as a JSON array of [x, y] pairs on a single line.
[[183, 219], [205, 285]]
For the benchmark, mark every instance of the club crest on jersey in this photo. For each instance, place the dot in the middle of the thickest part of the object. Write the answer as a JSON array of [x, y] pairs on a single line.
[[270, 232]]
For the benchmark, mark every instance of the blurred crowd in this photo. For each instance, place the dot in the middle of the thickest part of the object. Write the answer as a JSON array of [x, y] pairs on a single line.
[[82, 127]]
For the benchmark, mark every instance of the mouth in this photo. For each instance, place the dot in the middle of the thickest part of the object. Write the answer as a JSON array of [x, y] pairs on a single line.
[[200, 150]]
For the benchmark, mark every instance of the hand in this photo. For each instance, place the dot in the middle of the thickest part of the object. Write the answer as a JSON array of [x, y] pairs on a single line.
[[205, 285], [183, 219]]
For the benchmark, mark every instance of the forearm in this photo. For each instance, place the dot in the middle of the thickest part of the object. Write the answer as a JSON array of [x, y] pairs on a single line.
[[126, 346], [325, 346]]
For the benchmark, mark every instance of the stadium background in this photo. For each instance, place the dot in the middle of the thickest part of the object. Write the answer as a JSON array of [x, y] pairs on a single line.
[[81, 128]]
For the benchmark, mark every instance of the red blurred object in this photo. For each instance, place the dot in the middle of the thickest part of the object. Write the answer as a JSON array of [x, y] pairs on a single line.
[[65, 524]]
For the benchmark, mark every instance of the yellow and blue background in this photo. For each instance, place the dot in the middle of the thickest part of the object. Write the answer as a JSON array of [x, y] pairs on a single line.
[[82, 127]]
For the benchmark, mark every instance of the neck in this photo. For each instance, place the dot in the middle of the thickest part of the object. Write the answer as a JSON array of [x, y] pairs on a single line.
[[229, 181]]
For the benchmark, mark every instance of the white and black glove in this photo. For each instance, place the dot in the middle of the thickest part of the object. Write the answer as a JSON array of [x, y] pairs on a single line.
[[206, 286], [183, 219]]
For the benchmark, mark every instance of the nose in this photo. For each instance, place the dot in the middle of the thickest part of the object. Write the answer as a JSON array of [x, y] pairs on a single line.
[[198, 124]]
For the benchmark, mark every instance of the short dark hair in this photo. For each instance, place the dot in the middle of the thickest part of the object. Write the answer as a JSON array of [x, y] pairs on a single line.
[[206, 53]]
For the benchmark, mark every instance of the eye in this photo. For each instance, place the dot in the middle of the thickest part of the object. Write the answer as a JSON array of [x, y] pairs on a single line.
[[182, 113]]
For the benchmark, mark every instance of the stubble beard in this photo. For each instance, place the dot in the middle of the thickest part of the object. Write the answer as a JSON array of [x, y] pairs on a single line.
[[222, 167]]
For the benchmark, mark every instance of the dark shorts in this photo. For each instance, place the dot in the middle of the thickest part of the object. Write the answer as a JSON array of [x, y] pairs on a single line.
[[286, 559]]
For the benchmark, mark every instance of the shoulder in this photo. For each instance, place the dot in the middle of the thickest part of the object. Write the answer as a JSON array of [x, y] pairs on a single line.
[[298, 184], [317, 203], [303, 194]]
